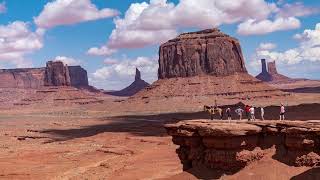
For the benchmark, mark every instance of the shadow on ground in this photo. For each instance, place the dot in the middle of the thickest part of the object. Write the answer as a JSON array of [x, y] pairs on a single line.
[[152, 125]]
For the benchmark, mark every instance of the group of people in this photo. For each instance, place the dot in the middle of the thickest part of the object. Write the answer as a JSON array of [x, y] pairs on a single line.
[[249, 112]]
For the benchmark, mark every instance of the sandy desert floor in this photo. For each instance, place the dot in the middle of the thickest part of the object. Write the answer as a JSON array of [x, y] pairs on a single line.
[[106, 142]]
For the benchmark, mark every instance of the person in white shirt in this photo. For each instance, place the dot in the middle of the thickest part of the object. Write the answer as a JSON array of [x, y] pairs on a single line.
[[239, 112], [253, 118], [262, 112], [282, 111]]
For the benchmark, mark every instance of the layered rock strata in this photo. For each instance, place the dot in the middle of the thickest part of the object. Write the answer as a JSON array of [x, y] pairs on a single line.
[[54, 74], [197, 53], [232, 146]]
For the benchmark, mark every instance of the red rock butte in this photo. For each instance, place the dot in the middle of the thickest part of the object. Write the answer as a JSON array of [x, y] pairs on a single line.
[[197, 53], [54, 74], [203, 65]]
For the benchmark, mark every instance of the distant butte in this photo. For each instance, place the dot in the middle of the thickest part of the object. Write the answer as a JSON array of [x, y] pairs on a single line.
[[137, 85]]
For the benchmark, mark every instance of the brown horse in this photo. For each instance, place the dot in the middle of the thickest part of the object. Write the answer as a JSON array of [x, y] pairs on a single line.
[[213, 110]]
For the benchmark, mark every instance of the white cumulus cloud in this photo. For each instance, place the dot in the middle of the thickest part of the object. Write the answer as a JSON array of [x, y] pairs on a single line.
[[266, 46], [255, 27], [67, 60], [102, 51], [159, 20], [119, 73], [17, 40], [65, 12], [308, 49]]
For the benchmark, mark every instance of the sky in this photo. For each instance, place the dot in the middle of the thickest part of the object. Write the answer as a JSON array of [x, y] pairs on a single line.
[[110, 38]]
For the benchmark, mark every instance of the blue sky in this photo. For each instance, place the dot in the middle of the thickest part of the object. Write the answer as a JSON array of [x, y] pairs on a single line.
[[80, 32]]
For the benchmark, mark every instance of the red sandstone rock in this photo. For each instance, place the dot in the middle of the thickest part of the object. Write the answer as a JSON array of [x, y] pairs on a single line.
[[55, 74], [232, 146], [204, 52]]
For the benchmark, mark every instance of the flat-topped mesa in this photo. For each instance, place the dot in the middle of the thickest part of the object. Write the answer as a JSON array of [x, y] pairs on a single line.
[[54, 74], [207, 52]]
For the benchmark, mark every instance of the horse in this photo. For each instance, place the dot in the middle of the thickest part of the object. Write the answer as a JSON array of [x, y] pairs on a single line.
[[213, 110]]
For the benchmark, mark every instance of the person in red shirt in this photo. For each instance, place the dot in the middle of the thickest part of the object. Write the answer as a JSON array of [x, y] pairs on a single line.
[[247, 109]]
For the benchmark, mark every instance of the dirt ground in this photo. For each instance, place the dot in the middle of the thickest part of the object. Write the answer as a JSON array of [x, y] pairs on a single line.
[[106, 141]]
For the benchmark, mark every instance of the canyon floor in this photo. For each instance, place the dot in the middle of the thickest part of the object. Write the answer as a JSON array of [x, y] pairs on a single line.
[[108, 140]]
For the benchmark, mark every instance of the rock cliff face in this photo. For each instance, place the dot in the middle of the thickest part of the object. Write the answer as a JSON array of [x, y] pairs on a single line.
[[133, 88], [78, 76], [232, 146], [57, 74], [22, 78], [197, 53], [54, 74]]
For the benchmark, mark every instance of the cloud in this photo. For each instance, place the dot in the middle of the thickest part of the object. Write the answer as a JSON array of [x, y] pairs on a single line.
[[65, 12], [308, 49], [296, 10], [119, 73], [158, 21], [67, 60], [3, 7], [266, 46], [102, 51], [17, 40], [254, 27]]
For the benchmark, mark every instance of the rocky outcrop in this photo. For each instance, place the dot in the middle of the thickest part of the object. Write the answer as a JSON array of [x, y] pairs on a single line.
[[272, 74], [232, 146], [57, 74], [54, 74], [208, 52], [133, 88], [22, 78], [78, 76]]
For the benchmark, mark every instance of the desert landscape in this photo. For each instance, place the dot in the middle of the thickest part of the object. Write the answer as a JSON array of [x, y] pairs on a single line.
[[55, 126], [196, 109]]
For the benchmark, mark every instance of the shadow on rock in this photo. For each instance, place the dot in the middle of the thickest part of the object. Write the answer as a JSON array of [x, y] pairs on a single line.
[[311, 174]]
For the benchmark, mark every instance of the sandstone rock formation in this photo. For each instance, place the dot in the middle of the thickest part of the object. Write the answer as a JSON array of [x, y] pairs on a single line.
[[197, 53], [197, 68], [54, 74], [133, 88], [22, 78], [272, 74], [57, 74], [232, 146]]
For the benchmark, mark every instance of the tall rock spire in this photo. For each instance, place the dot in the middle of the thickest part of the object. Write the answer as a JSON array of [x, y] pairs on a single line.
[[138, 75]]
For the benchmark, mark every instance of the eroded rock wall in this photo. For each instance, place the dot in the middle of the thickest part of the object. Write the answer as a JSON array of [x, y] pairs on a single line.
[[232, 146], [54, 74], [204, 52]]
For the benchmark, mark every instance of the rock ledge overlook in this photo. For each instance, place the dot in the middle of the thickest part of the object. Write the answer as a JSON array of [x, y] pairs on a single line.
[[232, 146]]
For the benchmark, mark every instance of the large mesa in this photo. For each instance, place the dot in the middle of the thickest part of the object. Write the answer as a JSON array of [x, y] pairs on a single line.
[[197, 53], [200, 67]]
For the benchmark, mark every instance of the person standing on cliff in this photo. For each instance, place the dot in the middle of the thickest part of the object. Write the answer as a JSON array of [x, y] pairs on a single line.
[[252, 117], [262, 112], [239, 112], [228, 111], [282, 111], [247, 109]]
